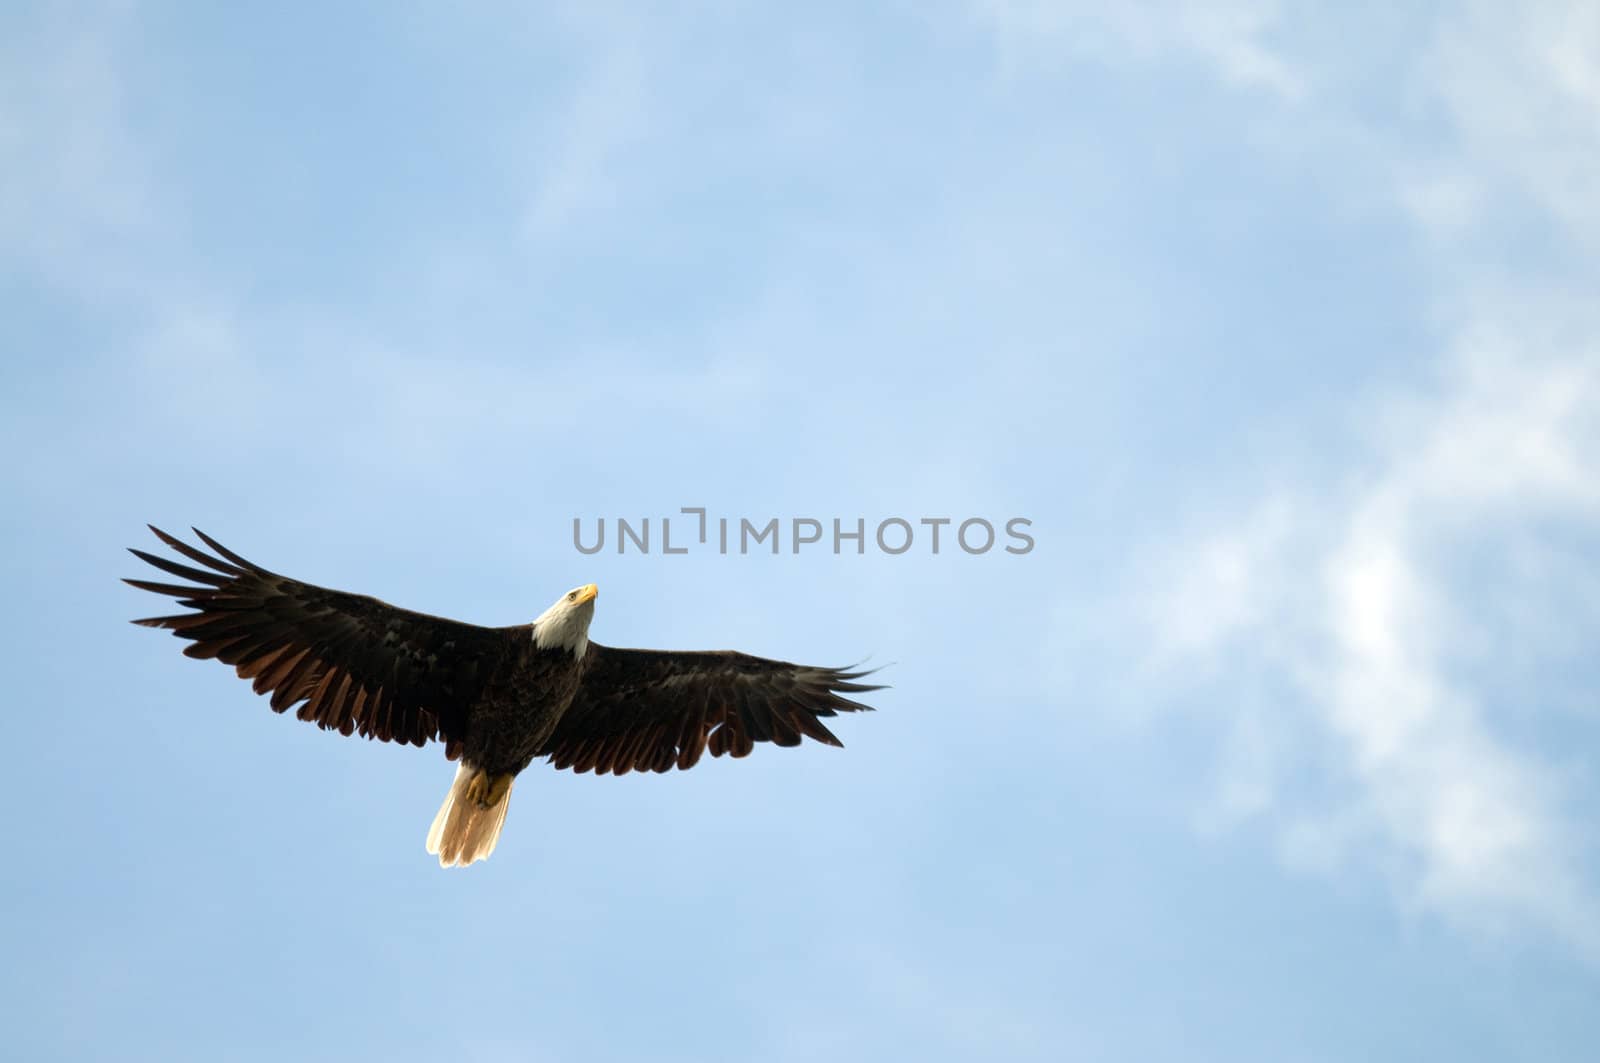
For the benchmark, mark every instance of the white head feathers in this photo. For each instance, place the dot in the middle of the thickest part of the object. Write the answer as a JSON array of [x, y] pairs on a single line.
[[565, 625]]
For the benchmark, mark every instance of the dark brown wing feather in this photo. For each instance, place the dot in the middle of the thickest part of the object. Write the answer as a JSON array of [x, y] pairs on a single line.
[[354, 664], [652, 710]]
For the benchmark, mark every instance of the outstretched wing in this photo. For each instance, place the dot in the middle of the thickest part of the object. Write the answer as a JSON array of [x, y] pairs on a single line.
[[652, 710], [353, 663]]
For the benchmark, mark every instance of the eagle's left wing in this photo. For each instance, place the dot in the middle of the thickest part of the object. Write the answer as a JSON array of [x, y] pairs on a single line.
[[652, 710]]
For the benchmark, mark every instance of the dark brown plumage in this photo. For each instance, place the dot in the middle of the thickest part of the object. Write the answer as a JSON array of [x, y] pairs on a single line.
[[497, 697]]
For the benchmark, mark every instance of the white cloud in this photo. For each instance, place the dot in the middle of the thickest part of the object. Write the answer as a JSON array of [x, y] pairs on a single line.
[[1358, 631], [1520, 86], [1345, 596], [1230, 36], [596, 145], [1446, 204], [1223, 584], [576, 161]]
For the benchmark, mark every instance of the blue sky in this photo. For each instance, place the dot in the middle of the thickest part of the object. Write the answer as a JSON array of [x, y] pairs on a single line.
[[1277, 322]]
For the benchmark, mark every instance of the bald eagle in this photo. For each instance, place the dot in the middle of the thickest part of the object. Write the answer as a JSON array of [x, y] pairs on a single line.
[[498, 698]]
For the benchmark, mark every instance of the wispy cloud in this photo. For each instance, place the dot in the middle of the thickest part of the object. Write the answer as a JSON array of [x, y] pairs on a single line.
[[1354, 626], [577, 157], [1230, 37], [1520, 88], [1346, 597], [75, 181]]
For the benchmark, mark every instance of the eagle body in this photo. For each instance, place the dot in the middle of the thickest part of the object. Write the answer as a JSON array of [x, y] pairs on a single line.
[[515, 714], [520, 708], [498, 698]]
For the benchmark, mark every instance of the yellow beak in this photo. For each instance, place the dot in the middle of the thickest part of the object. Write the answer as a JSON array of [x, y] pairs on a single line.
[[588, 594]]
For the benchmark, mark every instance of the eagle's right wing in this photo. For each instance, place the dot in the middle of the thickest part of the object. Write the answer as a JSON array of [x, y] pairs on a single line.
[[353, 663]]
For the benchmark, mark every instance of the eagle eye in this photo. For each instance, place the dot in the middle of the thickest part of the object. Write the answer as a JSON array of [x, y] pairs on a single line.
[[572, 596]]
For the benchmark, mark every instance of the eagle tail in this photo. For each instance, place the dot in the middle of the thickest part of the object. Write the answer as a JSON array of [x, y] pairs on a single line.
[[468, 824]]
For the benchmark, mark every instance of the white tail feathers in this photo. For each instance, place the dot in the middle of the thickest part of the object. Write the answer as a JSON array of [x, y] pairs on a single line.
[[468, 824]]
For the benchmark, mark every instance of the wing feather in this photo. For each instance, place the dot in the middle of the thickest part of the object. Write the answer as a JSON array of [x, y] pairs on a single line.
[[653, 710], [352, 663]]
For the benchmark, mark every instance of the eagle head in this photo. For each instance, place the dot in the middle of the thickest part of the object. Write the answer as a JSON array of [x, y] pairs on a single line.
[[565, 625]]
